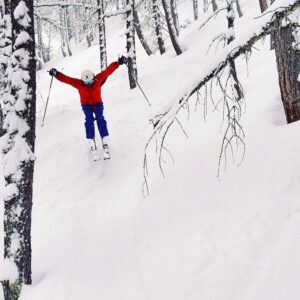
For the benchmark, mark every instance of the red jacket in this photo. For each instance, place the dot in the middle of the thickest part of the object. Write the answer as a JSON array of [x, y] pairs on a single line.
[[89, 94]]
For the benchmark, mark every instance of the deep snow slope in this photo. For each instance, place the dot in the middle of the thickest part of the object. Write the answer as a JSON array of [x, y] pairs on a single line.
[[196, 236]]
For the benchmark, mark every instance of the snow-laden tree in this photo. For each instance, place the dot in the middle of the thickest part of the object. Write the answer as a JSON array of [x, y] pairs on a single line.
[[157, 24], [174, 13], [5, 53], [18, 146], [102, 35], [130, 45]]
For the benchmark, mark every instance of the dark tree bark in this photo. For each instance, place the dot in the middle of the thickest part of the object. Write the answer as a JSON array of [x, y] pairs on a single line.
[[263, 5], [102, 35], [140, 33], [131, 50], [171, 27], [157, 22], [19, 178], [195, 9], [288, 66]]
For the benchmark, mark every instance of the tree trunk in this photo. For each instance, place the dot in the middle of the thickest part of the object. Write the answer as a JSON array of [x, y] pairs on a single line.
[[230, 20], [5, 53], [131, 51], [195, 9], [205, 6], [171, 27], [238, 8], [157, 22], [214, 5], [263, 5], [288, 66], [18, 169], [102, 35], [140, 33], [174, 14], [66, 31]]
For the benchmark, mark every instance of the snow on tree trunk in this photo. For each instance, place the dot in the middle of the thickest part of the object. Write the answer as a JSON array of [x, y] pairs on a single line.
[[102, 36], [18, 146], [40, 45], [287, 49], [5, 53], [173, 7], [140, 33], [66, 30], [171, 27], [195, 9], [130, 37], [157, 24]]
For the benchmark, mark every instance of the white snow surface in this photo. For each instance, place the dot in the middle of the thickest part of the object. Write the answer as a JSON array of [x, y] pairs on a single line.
[[8, 270], [195, 237]]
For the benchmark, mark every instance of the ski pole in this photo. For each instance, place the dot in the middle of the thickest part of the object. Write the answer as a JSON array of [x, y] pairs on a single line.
[[135, 80], [47, 101]]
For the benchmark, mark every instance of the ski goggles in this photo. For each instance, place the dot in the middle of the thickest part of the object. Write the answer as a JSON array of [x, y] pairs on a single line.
[[88, 82]]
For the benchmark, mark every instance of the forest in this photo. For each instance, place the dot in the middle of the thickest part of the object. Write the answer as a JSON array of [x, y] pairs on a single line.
[[194, 193]]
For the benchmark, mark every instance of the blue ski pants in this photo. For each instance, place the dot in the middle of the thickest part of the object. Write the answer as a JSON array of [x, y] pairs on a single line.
[[94, 113]]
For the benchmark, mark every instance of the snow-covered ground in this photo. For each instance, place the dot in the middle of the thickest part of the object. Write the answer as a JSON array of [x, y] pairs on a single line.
[[196, 236]]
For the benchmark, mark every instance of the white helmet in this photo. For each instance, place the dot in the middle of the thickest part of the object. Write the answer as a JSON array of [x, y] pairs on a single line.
[[87, 76]]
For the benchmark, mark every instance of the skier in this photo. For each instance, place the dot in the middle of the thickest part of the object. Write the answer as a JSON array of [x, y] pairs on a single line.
[[89, 88]]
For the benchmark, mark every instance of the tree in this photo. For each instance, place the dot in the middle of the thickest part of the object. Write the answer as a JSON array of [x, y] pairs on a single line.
[[171, 27], [140, 34], [195, 9], [5, 53], [286, 41], [157, 24], [102, 35], [18, 157], [130, 45], [263, 5], [287, 50], [173, 8]]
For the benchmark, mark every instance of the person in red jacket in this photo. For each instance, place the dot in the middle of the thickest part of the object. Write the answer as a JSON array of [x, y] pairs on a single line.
[[89, 88]]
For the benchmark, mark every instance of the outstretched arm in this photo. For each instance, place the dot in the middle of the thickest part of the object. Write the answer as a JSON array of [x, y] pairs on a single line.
[[68, 80], [108, 71]]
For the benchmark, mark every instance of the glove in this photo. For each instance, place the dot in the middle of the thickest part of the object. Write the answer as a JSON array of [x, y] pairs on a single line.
[[122, 60], [53, 72]]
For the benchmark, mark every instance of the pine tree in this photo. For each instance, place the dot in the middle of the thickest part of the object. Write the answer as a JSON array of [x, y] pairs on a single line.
[[18, 157]]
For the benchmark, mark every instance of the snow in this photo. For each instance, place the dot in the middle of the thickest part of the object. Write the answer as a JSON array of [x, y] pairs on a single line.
[[8, 270], [195, 237]]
